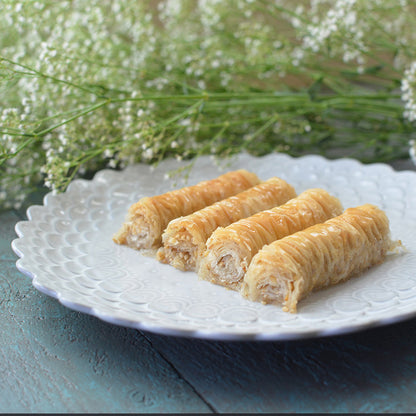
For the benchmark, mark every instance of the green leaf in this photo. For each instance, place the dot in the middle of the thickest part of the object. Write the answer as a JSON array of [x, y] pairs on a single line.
[[315, 88]]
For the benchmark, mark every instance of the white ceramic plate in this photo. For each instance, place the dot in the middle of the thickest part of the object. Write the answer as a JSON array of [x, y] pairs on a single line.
[[66, 248]]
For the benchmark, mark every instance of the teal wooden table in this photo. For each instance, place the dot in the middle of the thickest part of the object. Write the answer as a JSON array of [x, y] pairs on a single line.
[[53, 359]]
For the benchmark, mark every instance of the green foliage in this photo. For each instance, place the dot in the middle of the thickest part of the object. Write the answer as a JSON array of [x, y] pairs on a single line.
[[87, 85]]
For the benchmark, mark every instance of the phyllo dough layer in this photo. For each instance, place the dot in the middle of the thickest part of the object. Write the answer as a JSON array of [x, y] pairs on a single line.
[[289, 269], [184, 238], [147, 219], [230, 249]]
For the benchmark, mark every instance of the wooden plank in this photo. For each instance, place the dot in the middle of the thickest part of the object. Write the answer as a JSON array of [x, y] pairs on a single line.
[[371, 371], [403, 164], [34, 198], [57, 360], [8, 220], [53, 359]]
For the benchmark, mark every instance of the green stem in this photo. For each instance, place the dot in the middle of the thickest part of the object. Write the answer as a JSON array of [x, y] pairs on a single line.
[[74, 117], [217, 135], [34, 136], [282, 9], [35, 72], [179, 116], [263, 128], [7, 156]]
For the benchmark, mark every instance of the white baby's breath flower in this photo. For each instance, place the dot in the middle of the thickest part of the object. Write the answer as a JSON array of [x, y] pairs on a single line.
[[148, 153], [201, 84], [185, 122], [341, 29], [108, 153], [408, 89], [112, 163]]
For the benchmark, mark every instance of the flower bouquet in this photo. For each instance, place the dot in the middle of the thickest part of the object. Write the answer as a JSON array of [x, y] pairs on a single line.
[[87, 85]]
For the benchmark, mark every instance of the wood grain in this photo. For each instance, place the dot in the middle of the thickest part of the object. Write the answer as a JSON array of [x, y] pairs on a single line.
[[53, 359], [371, 371]]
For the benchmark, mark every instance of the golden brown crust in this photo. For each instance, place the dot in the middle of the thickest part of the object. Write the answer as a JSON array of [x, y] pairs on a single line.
[[184, 238], [287, 270], [230, 249], [148, 218]]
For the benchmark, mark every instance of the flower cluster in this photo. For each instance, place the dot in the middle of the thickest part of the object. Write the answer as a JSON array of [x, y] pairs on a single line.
[[340, 31], [408, 88], [87, 85]]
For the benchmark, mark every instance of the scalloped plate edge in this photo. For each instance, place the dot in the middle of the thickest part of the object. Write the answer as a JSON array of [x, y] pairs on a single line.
[[200, 333]]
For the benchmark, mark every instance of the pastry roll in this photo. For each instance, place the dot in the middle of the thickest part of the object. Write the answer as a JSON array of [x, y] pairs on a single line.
[[184, 238], [147, 219], [289, 269], [230, 249]]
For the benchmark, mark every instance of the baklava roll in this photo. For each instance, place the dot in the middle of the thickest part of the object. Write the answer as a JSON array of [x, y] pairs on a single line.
[[184, 238], [147, 219], [289, 269], [229, 250]]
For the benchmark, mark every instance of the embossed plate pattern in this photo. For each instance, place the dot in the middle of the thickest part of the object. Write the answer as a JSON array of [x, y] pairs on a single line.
[[66, 248]]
